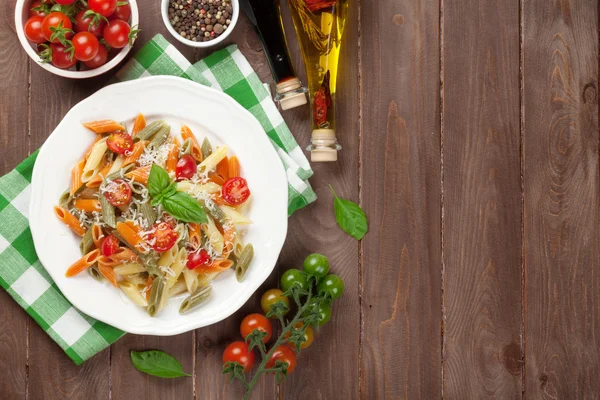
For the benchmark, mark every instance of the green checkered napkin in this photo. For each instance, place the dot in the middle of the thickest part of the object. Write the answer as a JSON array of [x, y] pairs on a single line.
[[21, 273]]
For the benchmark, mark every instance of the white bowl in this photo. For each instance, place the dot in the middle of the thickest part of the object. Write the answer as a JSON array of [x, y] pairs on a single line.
[[21, 16], [207, 112], [165, 16]]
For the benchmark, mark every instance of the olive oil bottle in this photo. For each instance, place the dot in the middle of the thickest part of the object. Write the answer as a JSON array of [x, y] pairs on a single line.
[[319, 25]]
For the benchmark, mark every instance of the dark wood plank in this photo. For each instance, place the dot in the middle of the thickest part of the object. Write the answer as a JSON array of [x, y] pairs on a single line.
[[401, 347], [482, 200], [562, 226], [14, 145]]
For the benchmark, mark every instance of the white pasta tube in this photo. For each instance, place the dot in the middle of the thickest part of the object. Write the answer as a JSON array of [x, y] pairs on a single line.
[[236, 217], [191, 280], [130, 268], [215, 237], [177, 267], [96, 156], [211, 161], [133, 293]]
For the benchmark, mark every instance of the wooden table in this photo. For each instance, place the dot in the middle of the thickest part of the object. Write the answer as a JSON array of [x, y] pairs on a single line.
[[470, 134]]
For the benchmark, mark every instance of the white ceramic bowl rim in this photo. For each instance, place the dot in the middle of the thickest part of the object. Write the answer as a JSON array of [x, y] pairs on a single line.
[[81, 293], [21, 15], [165, 16]]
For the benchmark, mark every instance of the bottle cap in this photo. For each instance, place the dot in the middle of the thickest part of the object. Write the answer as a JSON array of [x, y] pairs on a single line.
[[324, 146], [290, 93]]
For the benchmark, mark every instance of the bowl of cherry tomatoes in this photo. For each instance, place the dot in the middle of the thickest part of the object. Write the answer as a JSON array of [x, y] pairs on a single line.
[[77, 38]]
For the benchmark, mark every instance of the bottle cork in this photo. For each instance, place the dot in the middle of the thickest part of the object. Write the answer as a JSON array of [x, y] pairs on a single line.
[[290, 93], [324, 146]]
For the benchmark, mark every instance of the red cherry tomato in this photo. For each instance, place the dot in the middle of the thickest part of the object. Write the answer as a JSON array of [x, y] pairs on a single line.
[[235, 191], [86, 46], [109, 246], [284, 354], [118, 192], [116, 34], [186, 167], [256, 321], [99, 60], [103, 7], [36, 13], [238, 352], [65, 2], [55, 20], [33, 30], [122, 12], [84, 24], [60, 57], [119, 142], [163, 237], [198, 258]]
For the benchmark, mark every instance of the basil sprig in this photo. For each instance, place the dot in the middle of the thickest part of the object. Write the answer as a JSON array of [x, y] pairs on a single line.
[[157, 363], [350, 217], [180, 205]]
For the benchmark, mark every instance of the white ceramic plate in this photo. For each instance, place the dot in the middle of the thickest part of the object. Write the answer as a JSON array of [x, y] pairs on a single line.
[[207, 112]]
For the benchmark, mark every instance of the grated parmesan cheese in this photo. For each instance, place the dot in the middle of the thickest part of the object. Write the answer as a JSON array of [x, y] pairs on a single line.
[[155, 156]]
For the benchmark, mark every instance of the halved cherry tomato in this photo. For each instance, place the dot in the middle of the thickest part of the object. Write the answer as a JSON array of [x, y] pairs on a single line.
[[60, 22], [118, 192], [186, 167], [197, 259], [33, 30], [163, 237], [99, 60], [103, 7], [284, 354], [238, 352], [235, 191], [259, 322], [84, 24], [122, 12], [120, 142], [109, 246], [61, 58], [86, 46]]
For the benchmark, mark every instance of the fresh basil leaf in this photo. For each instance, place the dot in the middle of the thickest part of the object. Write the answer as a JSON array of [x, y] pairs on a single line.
[[184, 207], [158, 180], [157, 363], [350, 217]]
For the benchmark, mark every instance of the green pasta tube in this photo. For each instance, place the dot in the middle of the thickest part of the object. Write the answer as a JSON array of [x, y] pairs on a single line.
[[195, 299], [215, 213], [158, 296], [87, 243], [65, 199], [160, 137], [149, 131], [186, 147], [244, 262], [95, 273], [148, 212], [206, 148], [108, 212]]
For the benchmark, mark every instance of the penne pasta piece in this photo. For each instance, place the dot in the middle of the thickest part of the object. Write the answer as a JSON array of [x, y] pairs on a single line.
[[211, 162], [235, 216], [158, 296], [114, 167], [195, 150], [70, 220], [149, 131], [107, 272], [173, 157], [93, 161], [138, 150], [129, 235], [177, 267], [120, 173], [125, 255], [234, 167], [242, 208], [219, 265], [89, 193], [223, 168], [140, 175], [133, 293], [83, 263], [95, 273], [88, 175], [104, 126], [194, 234], [65, 199], [97, 179], [87, 205], [97, 235], [216, 178], [205, 278], [128, 269], [215, 237], [138, 279], [195, 299], [238, 247], [160, 137], [241, 266], [206, 148], [186, 148], [108, 211], [148, 212], [148, 287], [191, 279], [87, 243], [168, 257], [178, 288], [76, 174], [138, 125], [89, 150]]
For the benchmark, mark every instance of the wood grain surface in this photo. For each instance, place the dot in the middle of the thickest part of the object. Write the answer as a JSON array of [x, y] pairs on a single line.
[[471, 140], [562, 233]]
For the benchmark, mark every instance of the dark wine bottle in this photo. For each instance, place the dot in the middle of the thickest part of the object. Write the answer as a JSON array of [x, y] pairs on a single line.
[[265, 15]]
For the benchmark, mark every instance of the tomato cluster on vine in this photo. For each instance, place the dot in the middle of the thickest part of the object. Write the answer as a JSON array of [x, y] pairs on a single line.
[[71, 31]]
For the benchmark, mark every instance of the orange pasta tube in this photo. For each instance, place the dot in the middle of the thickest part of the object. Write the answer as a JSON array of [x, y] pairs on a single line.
[[137, 151], [104, 126], [173, 156], [83, 263], [107, 271], [76, 174], [186, 133], [97, 235], [130, 235], [139, 124], [97, 179], [194, 234], [87, 205], [218, 265], [216, 178], [69, 219], [124, 254], [223, 168], [234, 167], [140, 175]]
